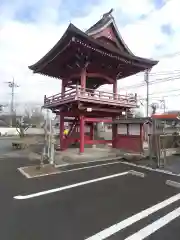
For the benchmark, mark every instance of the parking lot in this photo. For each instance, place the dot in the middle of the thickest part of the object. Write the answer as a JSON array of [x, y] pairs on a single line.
[[88, 201]]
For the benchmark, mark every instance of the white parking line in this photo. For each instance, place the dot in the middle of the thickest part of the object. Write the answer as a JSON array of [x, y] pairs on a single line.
[[69, 186], [93, 166], [23, 169], [135, 218], [153, 227]]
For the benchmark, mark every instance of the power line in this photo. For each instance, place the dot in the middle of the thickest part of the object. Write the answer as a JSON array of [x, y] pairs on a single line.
[[174, 76], [161, 73], [156, 81], [173, 73], [173, 90], [171, 95], [169, 55], [164, 96], [160, 98]]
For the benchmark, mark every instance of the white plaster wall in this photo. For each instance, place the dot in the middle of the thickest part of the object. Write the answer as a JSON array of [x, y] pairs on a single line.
[[13, 131]]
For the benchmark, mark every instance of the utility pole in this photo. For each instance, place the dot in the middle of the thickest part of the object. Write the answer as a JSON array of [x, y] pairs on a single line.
[[1, 108], [146, 79], [163, 104], [12, 85]]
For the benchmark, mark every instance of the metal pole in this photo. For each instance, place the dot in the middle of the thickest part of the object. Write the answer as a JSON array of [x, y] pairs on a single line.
[[52, 152], [12, 97], [12, 85], [146, 79], [48, 133], [164, 104], [44, 151]]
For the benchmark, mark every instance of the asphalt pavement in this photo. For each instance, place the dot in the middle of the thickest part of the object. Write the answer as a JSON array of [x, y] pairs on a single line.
[[99, 202], [5, 144]]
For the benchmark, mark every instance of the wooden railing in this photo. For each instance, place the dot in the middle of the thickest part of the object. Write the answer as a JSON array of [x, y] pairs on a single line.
[[58, 98], [90, 95]]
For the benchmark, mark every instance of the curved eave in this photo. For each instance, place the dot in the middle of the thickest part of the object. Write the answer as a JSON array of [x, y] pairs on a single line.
[[47, 75], [149, 62], [109, 22], [53, 52], [73, 31], [120, 38]]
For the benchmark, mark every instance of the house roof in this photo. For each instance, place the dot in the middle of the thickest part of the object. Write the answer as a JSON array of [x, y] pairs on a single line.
[[167, 115]]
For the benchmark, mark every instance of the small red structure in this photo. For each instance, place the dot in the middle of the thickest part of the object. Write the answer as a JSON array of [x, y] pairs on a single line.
[[132, 138], [85, 61]]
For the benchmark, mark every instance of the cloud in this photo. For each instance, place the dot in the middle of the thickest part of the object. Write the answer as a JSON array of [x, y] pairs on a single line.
[[167, 29], [159, 3], [28, 29]]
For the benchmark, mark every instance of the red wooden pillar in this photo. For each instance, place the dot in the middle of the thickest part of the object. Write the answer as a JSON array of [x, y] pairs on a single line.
[[61, 128], [82, 122], [61, 124], [81, 132], [83, 79], [114, 126]]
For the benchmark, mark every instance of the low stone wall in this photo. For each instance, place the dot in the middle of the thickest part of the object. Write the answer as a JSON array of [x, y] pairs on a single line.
[[8, 131]]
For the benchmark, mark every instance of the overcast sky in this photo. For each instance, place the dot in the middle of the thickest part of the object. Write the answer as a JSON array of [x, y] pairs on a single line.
[[28, 29]]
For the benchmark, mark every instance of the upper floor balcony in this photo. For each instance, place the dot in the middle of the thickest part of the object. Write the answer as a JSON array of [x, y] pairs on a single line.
[[90, 96]]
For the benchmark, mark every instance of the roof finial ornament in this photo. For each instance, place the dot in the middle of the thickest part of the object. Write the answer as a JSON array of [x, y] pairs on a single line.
[[108, 13]]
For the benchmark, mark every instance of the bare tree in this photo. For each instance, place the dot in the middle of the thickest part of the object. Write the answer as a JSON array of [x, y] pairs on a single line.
[[137, 113], [21, 128], [33, 116], [154, 107], [27, 115], [37, 118]]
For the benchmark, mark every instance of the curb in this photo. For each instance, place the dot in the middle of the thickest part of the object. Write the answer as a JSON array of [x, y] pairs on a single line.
[[86, 162], [138, 174], [151, 169], [173, 183]]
